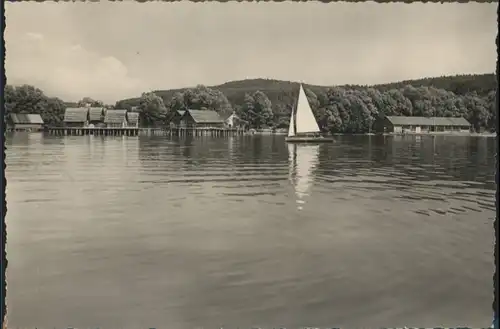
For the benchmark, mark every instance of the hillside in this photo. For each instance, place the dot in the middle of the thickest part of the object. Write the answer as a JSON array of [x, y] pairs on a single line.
[[284, 92], [268, 103], [482, 84]]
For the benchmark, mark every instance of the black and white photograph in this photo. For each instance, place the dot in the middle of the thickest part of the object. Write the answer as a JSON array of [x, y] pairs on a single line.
[[250, 164]]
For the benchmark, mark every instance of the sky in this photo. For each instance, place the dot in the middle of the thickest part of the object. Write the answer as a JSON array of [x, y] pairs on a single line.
[[115, 50]]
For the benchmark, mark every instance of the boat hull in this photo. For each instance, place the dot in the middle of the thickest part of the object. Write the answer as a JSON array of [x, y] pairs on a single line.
[[305, 139]]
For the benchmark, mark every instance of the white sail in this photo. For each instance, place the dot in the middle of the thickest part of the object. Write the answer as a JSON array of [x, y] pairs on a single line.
[[303, 160], [291, 129], [306, 122]]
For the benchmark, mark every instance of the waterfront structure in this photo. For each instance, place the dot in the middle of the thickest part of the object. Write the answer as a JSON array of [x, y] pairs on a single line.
[[233, 121], [123, 123], [403, 124], [175, 118], [201, 119], [115, 119], [24, 122], [132, 120], [76, 117], [95, 131], [96, 116]]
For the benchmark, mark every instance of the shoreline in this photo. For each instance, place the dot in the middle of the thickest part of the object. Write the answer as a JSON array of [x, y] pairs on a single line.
[[469, 134], [389, 134]]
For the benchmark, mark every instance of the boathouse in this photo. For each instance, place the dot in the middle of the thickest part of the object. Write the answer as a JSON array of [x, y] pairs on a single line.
[[115, 119], [201, 119], [132, 119], [24, 122], [96, 116], [175, 118], [403, 124], [76, 117]]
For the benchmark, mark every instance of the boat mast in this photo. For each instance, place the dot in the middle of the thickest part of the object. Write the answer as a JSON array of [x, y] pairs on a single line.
[[294, 111]]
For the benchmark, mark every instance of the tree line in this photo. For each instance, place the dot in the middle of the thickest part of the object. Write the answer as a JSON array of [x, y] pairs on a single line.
[[31, 100], [342, 109]]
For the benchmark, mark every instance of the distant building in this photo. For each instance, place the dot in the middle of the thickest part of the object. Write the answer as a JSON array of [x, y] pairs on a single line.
[[201, 119], [24, 122], [233, 121], [115, 119], [401, 124], [132, 119], [175, 118], [76, 117], [96, 116]]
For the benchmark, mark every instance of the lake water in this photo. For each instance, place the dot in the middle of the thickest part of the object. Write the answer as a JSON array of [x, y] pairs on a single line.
[[139, 232]]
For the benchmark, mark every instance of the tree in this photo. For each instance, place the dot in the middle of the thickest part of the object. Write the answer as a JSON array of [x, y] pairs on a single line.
[[477, 110], [257, 110], [53, 114], [127, 104], [31, 100], [152, 110], [200, 98], [247, 110], [313, 99], [10, 99], [333, 121], [281, 115], [402, 105], [264, 102], [87, 101], [263, 107], [318, 107]]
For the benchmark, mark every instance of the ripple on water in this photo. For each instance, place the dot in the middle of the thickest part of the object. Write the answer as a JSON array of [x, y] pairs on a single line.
[[214, 225]]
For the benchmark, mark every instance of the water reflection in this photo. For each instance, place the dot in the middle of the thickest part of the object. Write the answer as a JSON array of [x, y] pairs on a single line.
[[303, 160], [200, 232]]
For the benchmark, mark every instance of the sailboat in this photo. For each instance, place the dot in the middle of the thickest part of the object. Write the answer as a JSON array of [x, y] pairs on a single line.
[[303, 160], [303, 125]]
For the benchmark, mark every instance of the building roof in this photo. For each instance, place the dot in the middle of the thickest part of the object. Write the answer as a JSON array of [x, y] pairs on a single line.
[[95, 113], [115, 116], [226, 116], [132, 117], [205, 116], [22, 118], [78, 114], [424, 121], [177, 114]]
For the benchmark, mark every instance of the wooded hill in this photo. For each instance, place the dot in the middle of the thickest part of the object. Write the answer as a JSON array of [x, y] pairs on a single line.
[[349, 108], [279, 91], [268, 103]]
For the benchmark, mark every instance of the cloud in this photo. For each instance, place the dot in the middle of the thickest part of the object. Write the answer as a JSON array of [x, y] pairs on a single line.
[[117, 50], [68, 71], [34, 36]]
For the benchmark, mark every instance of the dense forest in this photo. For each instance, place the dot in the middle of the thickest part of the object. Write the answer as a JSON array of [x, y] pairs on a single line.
[[268, 103]]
